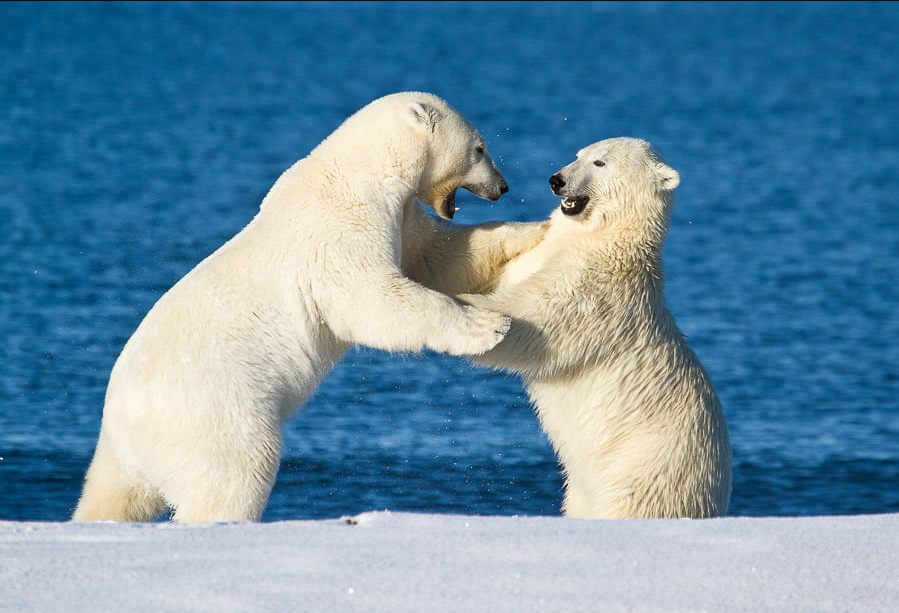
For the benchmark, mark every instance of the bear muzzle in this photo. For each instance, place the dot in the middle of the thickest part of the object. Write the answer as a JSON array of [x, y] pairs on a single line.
[[490, 191], [556, 182], [571, 205]]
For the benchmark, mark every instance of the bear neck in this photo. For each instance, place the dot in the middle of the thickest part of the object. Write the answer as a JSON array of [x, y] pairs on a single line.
[[623, 255], [632, 243], [394, 159], [386, 174]]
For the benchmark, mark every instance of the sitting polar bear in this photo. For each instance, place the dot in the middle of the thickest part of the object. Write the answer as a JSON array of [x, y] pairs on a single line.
[[195, 402], [629, 409]]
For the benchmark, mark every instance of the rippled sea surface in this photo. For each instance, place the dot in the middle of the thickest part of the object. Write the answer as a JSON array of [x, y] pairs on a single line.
[[136, 138]]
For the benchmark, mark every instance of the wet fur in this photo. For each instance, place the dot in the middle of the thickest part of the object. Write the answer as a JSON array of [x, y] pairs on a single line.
[[629, 409]]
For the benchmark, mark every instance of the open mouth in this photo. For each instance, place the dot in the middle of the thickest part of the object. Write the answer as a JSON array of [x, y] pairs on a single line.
[[572, 205], [448, 207]]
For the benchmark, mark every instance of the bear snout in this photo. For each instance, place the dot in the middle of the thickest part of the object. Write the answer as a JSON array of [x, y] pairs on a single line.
[[490, 191], [556, 182], [498, 192]]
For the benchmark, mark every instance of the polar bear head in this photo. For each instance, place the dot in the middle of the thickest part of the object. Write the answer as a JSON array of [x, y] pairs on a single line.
[[417, 138], [616, 181], [456, 155], [410, 145]]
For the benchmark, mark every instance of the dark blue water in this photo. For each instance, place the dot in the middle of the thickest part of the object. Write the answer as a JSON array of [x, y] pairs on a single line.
[[136, 138]]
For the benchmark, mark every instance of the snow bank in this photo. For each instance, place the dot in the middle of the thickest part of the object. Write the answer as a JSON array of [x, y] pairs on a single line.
[[399, 562]]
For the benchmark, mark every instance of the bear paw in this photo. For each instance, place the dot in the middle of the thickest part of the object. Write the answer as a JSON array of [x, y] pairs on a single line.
[[482, 331], [522, 237]]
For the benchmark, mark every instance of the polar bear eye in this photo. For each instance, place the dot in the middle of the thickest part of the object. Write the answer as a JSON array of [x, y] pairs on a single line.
[[599, 163], [479, 149]]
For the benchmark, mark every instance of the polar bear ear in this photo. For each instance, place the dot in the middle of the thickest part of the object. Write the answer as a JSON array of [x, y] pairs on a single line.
[[423, 115], [668, 177]]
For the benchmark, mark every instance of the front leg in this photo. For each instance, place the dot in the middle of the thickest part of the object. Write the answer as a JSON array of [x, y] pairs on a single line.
[[526, 348], [387, 311], [455, 258]]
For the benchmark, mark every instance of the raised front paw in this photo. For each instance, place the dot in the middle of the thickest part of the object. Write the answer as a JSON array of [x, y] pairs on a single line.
[[522, 237], [488, 328], [482, 330]]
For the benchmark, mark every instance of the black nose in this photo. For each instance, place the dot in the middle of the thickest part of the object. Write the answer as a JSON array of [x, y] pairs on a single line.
[[556, 182], [504, 188]]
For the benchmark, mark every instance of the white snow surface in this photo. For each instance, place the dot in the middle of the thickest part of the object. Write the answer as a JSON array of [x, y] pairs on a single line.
[[431, 563]]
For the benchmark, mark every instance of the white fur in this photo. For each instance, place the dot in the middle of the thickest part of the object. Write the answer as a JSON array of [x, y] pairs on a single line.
[[628, 407], [196, 400]]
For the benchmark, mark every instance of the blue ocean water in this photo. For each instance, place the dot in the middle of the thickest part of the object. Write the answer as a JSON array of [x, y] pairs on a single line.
[[137, 137]]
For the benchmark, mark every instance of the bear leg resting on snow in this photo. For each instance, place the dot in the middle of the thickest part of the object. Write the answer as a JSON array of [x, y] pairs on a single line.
[[629, 409], [196, 399]]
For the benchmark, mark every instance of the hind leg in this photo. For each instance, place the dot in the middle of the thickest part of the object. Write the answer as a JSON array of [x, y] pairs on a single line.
[[576, 504], [228, 485], [111, 493]]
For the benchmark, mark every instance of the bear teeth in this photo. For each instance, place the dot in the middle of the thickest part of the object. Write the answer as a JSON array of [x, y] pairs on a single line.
[[572, 205]]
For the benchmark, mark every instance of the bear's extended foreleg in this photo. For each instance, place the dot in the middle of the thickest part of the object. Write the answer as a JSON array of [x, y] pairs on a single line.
[[455, 258]]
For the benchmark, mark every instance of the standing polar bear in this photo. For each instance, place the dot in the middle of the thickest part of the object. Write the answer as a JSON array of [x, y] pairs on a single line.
[[196, 400], [626, 404]]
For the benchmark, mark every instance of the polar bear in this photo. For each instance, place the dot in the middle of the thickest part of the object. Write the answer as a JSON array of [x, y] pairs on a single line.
[[629, 409], [196, 399]]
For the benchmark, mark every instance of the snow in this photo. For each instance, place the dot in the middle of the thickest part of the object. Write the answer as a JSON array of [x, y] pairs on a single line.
[[430, 563]]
